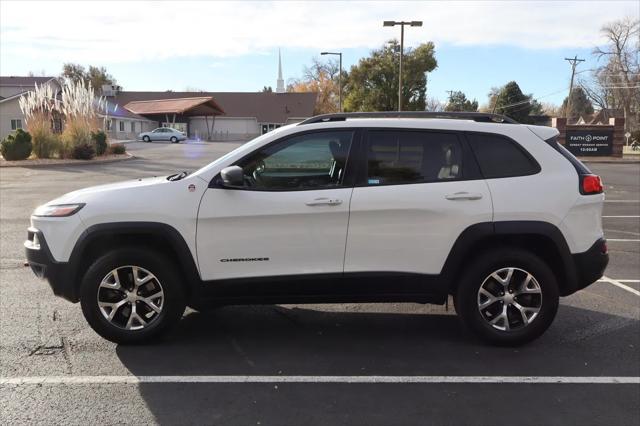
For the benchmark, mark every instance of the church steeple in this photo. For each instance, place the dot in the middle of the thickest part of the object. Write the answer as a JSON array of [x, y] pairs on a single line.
[[280, 81]]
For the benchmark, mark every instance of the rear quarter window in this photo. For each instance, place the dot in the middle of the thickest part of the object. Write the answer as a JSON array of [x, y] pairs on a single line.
[[499, 156]]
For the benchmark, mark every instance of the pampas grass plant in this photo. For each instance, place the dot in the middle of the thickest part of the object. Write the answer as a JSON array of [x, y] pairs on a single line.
[[80, 110], [77, 106], [38, 107]]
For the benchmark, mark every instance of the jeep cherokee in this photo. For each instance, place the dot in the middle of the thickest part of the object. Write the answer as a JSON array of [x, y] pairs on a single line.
[[363, 207]]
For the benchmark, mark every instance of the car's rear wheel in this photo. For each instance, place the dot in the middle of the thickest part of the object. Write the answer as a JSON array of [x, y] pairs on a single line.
[[507, 297], [146, 139], [131, 295], [174, 139]]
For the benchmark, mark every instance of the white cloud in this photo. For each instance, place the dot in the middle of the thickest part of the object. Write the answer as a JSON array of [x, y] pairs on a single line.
[[112, 32]]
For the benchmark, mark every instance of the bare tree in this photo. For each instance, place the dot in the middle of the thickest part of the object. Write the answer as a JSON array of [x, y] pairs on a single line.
[[320, 69], [434, 105], [597, 91], [618, 81]]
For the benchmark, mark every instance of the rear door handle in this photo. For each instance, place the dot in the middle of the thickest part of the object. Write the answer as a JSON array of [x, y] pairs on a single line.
[[324, 202], [463, 196]]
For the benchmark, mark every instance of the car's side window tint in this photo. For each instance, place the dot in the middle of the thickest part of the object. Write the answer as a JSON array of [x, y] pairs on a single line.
[[314, 160], [404, 157], [500, 157]]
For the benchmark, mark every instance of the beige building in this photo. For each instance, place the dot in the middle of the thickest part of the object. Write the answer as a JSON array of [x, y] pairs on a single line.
[[11, 89]]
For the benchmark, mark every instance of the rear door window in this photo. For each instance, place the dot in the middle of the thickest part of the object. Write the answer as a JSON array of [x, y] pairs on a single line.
[[499, 156], [404, 157]]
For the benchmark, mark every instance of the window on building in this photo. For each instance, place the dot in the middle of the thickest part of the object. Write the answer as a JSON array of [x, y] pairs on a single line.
[[16, 124], [499, 156], [267, 127], [109, 124], [311, 161], [405, 157], [133, 126], [121, 125]]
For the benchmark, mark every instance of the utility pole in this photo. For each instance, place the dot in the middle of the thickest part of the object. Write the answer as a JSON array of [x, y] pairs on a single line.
[[402, 24], [573, 61], [450, 92]]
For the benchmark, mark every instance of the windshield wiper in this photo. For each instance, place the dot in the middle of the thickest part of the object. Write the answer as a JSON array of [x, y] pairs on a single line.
[[177, 176]]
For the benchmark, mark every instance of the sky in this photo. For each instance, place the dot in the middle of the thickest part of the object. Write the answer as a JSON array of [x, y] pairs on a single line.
[[233, 46]]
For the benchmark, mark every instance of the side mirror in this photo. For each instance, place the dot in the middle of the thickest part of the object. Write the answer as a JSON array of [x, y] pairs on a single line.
[[232, 176]]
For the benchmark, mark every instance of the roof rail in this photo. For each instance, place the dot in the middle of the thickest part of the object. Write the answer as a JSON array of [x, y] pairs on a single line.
[[475, 116]]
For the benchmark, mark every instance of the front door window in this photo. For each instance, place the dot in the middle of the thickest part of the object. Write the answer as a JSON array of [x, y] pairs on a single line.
[[311, 161]]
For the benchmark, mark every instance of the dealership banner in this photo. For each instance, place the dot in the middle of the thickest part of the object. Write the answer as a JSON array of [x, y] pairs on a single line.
[[590, 142]]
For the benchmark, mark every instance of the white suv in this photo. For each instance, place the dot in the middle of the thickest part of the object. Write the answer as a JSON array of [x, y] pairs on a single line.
[[369, 207]]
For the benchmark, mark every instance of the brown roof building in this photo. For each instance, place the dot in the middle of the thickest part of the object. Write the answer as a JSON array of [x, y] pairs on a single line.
[[217, 115]]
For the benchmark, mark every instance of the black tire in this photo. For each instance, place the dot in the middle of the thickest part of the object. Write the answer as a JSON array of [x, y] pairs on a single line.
[[146, 139], [174, 139], [466, 297], [163, 268]]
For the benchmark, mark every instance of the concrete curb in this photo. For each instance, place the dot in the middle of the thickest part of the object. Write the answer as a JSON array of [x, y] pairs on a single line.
[[66, 162], [612, 161]]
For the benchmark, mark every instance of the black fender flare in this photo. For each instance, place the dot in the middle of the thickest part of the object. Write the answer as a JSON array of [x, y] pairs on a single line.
[[477, 234], [166, 232]]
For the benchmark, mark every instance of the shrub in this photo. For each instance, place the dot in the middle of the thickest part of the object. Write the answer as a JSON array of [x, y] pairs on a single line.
[[100, 140], [16, 146], [117, 148], [635, 136], [83, 151]]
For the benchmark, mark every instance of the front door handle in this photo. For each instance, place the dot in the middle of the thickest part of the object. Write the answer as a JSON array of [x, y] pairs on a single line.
[[463, 196], [324, 202]]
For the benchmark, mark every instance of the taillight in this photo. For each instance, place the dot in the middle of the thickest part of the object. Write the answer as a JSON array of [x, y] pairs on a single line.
[[590, 184]]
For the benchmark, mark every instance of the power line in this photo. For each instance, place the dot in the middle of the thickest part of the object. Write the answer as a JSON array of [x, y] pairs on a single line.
[[620, 87], [532, 99]]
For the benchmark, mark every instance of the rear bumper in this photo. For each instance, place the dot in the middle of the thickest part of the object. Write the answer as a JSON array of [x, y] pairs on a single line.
[[43, 265], [590, 265]]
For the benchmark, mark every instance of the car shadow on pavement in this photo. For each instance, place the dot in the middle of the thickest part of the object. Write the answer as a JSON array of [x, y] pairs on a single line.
[[266, 340], [275, 340]]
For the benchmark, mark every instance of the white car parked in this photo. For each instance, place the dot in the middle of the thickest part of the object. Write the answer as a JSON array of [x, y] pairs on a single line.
[[402, 207], [163, 134]]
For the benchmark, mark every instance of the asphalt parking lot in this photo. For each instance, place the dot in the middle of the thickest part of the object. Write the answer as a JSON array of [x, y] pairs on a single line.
[[238, 365]]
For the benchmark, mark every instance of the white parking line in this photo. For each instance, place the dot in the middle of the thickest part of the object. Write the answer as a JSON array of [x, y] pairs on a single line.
[[98, 380], [620, 217], [619, 284], [622, 201], [622, 240], [628, 281]]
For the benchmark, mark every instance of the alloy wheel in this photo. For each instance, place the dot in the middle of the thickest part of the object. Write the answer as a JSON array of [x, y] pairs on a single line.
[[509, 299], [130, 297]]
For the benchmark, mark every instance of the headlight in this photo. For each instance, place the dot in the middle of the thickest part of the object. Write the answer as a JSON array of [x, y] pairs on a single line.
[[60, 210]]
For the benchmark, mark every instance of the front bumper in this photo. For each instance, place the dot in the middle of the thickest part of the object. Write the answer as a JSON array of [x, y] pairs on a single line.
[[590, 265], [42, 263]]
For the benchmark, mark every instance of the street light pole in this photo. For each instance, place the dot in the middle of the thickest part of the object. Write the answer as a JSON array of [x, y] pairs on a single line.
[[402, 24], [400, 76], [339, 77]]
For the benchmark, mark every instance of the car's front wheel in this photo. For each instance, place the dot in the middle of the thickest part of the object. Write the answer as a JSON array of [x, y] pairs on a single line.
[[174, 139], [131, 295], [507, 297], [146, 139]]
